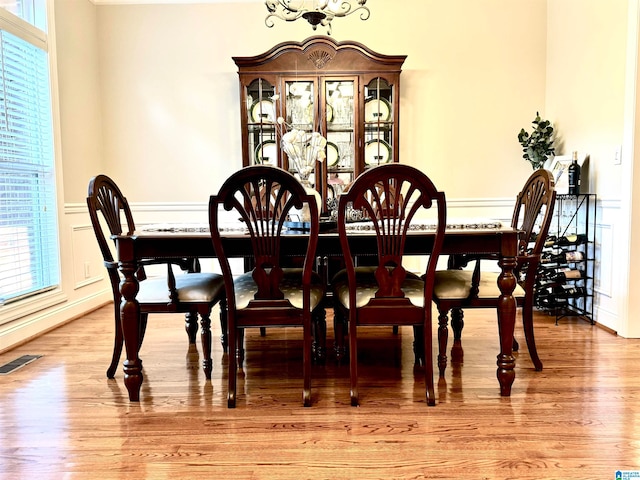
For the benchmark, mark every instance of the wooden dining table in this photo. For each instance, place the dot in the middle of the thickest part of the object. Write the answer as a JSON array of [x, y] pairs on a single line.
[[164, 243]]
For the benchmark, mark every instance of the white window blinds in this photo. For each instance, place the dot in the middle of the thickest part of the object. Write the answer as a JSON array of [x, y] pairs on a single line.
[[29, 261]]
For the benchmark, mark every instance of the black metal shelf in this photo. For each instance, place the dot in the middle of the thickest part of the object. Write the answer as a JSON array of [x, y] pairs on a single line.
[[573, 215]]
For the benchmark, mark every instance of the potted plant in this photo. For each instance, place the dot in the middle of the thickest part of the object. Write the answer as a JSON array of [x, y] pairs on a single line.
[[537, 146]]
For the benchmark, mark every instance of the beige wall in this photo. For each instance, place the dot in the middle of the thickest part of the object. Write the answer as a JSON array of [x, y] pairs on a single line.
[[586, 56], [79, 95], [474, 76]]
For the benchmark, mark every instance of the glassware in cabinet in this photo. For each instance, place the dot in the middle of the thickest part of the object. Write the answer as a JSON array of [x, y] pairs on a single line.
[[339, 100], [260, 116]]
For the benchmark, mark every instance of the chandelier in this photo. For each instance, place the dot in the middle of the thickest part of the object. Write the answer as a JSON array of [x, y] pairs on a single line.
[[316, 12]]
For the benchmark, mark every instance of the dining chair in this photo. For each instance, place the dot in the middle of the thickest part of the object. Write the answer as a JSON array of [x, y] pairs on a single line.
[[264, 197], [457, 289], [386, 293], [193, 293]]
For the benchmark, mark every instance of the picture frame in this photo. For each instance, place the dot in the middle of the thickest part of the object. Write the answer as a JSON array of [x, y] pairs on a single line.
[[560, 169]]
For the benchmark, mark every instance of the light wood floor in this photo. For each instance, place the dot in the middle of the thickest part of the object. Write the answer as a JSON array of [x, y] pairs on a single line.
[[578, 419]]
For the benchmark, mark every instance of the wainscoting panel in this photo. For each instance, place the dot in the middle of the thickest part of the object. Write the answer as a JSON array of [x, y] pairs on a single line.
[[87, 260], [607, 273]]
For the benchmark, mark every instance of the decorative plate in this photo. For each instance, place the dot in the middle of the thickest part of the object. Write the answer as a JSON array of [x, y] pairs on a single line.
[[377, 152], [267, 153], [310, 111], [377, 110], [262, 111], [333, 154]]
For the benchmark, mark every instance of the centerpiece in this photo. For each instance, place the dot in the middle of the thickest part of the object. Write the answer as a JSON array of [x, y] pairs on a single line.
[[537, 146], [304, 149]]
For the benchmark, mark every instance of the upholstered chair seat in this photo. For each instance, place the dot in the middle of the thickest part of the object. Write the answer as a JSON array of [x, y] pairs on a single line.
[[412, 286], [290, 285], [458, 283], [190, 288]]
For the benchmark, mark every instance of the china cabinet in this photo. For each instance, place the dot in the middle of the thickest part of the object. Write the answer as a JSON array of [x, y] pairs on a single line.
[[343, 90]]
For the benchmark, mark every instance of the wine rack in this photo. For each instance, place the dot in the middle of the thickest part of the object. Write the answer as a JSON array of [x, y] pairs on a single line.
[[565, 279]]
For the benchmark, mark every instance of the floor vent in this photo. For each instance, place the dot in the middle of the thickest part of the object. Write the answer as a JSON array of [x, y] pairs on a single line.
[[14, 365]]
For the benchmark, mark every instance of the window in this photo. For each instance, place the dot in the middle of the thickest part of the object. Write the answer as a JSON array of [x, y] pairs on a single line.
[[29, 259]]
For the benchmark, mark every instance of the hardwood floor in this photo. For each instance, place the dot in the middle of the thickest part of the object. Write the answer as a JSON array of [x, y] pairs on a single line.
[[579, 418]]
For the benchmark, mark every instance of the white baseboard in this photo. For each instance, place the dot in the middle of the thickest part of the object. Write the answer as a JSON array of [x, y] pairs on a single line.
[[23, 329]]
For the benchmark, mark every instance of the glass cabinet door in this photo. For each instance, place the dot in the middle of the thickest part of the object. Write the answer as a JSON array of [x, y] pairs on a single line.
[[301, 104], [261, 118], [339, 98], [378, 123]]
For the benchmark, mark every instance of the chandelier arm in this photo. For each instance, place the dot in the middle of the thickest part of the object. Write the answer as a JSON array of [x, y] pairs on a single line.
[[365, 14], [287, 17], [286, 5], [326, 23], [272, 5], [347, 9]]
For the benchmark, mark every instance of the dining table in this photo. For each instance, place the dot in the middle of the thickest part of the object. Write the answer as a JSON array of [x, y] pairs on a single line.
[[167, 242]]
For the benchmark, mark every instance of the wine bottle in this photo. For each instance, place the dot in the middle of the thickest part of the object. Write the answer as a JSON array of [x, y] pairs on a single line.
[[568, 240], [550, 241], [574, 175], [542, 287], [555, 275], [553, 302], [571, 256], [568, 274], [544, 292], [569, 291], [546, 275]]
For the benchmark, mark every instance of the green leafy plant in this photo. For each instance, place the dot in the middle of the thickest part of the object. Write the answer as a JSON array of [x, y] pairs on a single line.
[[537, 146]]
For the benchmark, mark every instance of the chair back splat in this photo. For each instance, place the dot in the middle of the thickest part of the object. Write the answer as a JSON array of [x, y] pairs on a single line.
[[270, 294], [390, 196], [534, 209]]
